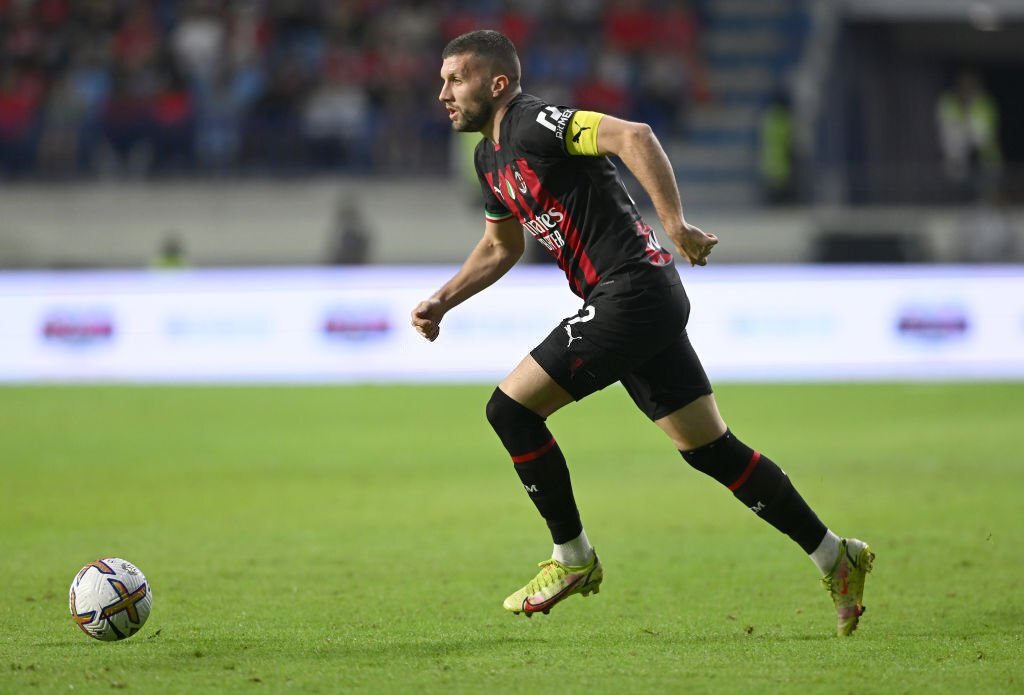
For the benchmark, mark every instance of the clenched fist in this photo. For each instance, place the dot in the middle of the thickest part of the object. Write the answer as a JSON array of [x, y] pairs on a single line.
[[694, 244], [426, 318]]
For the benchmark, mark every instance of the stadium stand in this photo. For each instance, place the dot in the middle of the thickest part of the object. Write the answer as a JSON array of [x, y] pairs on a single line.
[[143, 105], [158, 88]]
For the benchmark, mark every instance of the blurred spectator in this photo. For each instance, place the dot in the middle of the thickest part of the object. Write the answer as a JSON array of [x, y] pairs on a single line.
[[777, 151], [677, 40], [335, 123], [174, 121], [660, 97], [608, 90], [126, 123], [249, 34], [350, 238], [554, 65], [198, 41], [630, 26], [271, 132], [64, 114], [156, 87], [222, 105], [90, 81], [171, 253], [137, 41], [20, 97], [579, 18], [464, 18], [968, 121], [517, 25], [410, 23], [23, 38]]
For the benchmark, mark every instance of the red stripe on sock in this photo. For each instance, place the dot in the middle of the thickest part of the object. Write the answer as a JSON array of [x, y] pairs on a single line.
[[746, 473], [523, 458]]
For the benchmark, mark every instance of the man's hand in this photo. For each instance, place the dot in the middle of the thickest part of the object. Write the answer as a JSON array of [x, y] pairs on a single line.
[[426, 318], [694, 244], [638, 148]]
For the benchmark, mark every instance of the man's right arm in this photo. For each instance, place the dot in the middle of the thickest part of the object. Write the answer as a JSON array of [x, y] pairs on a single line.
[[499, 249], [638, 148]]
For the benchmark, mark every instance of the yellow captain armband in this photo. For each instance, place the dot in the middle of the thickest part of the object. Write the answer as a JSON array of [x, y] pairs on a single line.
[[582, 137]]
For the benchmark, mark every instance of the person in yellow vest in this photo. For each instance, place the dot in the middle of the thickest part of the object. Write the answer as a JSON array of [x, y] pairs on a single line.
[[776, 152], [170, 255], [968, 123]]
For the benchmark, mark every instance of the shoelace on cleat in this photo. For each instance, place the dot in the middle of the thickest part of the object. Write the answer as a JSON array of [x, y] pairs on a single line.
[[548, 575]]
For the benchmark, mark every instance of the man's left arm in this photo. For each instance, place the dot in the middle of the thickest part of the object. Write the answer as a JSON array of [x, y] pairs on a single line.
[[638, 148]]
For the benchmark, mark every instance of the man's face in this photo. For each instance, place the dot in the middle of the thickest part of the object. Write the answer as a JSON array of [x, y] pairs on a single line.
[[466, 93]]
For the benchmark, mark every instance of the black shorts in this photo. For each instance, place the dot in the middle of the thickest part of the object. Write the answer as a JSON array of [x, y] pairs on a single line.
[[636, 336]]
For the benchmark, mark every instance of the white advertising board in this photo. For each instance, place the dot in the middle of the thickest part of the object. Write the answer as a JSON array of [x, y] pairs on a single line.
[[352, 324]]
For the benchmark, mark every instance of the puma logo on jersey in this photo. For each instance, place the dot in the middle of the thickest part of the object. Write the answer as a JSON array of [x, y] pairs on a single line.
[[576, 137]]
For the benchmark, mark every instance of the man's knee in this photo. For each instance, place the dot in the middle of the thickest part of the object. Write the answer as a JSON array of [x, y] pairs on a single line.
[[519, 428], [504, 413], [694, 425]]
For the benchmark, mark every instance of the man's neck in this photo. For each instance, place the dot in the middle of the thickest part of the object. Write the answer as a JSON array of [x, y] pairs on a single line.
[[493, 130]]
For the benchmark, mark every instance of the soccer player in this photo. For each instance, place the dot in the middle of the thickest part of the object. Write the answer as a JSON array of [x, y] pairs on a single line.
[[545, 169]]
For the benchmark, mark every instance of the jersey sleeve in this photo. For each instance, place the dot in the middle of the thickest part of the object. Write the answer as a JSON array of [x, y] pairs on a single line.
[[542, 131], [494, 209], [556, 131]]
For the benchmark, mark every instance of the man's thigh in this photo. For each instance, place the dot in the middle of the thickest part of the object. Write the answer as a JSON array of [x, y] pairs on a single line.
[[669, 380], [530, 386], [610, 337]]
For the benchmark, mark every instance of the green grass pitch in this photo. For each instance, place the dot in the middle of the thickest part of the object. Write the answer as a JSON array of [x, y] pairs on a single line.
[[340, 539]]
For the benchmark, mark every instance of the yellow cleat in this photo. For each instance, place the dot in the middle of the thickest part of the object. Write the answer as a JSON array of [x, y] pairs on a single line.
[[846, 583], [554, 583]]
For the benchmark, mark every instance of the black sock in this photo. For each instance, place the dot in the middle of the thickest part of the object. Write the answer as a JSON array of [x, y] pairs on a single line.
[[539, 463], [756, 481]]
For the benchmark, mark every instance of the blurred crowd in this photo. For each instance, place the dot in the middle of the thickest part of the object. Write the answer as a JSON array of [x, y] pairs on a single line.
[[162, 87]]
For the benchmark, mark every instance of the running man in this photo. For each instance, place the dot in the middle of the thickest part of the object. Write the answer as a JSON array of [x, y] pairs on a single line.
[[546, 169]]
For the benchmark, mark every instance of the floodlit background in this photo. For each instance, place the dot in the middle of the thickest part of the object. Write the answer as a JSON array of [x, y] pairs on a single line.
[[235, 161], [258, 192]]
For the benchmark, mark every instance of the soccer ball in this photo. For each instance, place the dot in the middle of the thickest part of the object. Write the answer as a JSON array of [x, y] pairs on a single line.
[[110, 599]]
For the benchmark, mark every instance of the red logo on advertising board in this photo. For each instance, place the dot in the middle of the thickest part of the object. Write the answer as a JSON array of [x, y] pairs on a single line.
[[78, 327]]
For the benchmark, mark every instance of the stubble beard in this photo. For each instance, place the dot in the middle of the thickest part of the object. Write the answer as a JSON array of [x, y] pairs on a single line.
[[474, 116]]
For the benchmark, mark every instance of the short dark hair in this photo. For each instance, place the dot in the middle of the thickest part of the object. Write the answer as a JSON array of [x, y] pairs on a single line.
[[492, 46]]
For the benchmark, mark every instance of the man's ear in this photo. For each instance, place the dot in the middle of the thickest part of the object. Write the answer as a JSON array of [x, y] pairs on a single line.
[[499, 83]]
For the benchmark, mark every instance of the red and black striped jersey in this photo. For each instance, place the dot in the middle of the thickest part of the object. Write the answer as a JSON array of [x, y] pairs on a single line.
[[575, 206]]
